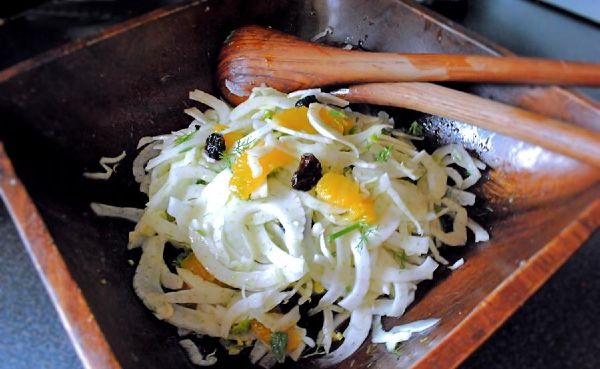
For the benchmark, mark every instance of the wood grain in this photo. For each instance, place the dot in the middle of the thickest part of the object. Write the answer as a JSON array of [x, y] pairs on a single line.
[[561, 137], [498, 306], [74, 312], [525, 204], [255, 55]]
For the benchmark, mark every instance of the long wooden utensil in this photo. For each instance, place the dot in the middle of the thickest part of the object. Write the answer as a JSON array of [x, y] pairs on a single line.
[[552, 134], [255, 55]]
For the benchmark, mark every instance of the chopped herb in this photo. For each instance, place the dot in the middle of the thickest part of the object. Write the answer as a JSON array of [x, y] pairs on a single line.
[[371, 140], [242, 145], [438, 207], [343, 231], [268, 114], [337, 114], [384, 154], [401, 258], [200, 232], [241, 327], [279, 342], [238, 149], [347, 171], [416, 129], [397, 351], [201, 182], [183, 138], [353, 130], [348, 288], [181, 257], [186, 149], [364, 228], [365, 232], [169, 217]]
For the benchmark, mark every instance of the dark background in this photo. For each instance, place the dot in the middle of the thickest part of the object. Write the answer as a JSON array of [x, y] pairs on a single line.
[[557, 328]]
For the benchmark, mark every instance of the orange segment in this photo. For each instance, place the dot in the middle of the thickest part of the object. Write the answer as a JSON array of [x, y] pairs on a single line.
[[297, 119], [294, 118], [243, 184], [294, 339], [192, 264], [336, 119], [263, 334], [344, 192], [231, 137]]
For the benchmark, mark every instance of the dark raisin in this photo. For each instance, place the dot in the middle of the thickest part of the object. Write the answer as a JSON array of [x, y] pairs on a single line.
[[306, 101], [215, 146], [308, 173]]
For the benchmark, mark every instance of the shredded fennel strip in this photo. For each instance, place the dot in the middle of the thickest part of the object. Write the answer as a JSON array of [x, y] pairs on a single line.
[[105, 163], [259, 252]]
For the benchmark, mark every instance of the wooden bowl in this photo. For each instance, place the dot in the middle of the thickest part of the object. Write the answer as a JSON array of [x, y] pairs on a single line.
[[65, 109]]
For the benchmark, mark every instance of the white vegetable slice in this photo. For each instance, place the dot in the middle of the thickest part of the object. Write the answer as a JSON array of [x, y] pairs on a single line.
[[399, 333], [261, 252], [104, 210], [146, 281], [195, 356], [108, 170], [220, 107], [354, 336]]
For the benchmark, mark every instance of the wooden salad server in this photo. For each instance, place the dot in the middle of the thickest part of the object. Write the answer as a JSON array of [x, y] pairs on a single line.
[[254, 56]]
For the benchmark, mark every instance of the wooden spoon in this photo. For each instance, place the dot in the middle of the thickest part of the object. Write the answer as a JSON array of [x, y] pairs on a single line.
[[255, 55], [561, 137]]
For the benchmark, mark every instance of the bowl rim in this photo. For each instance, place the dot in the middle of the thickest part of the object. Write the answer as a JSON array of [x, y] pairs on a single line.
[[82, 328]]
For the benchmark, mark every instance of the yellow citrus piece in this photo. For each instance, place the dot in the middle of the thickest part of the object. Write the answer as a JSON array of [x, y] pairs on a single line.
[[297, 119], [294, 118], [263, 334], [231, 137], [243, 184], [344, 192], [336, 120], [192, 264]]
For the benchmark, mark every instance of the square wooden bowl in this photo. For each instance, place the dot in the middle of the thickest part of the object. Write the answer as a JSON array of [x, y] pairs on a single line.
[[63, 110]]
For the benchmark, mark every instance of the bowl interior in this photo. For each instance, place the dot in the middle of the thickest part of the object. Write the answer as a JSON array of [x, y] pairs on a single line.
[[63, 115]]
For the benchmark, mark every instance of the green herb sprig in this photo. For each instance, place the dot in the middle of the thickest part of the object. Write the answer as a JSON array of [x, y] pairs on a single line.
[[183, 138], [384, 154], [238, 149], [279, 342], [416, 129], [365, 229], [241, 327], [401, 258]]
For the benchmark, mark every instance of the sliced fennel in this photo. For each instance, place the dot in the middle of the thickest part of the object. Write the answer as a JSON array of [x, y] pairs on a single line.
[[252, 255]]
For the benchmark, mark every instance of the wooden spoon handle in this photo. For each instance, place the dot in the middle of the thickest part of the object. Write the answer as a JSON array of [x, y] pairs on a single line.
[[256, 55], [552, 134]]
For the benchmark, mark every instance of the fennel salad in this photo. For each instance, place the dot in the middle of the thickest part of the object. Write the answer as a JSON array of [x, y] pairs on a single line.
[[293, 200]]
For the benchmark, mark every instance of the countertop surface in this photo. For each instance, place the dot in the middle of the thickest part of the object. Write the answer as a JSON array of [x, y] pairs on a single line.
[[557, 328]]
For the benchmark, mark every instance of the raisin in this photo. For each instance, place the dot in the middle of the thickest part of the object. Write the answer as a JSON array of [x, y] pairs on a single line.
[[215, 146], [306, 101], [308, 173]]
